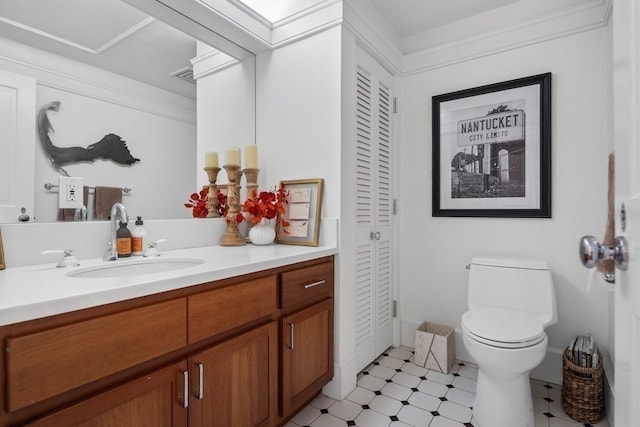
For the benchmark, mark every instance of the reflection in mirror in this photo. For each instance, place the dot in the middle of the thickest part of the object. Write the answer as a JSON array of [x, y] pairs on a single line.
[[115, 70]]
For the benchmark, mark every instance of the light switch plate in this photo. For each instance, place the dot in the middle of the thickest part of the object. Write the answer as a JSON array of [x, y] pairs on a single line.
[[70, 194]]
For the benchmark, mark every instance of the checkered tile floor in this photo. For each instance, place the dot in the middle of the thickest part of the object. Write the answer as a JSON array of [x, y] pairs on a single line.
[[394, 392]]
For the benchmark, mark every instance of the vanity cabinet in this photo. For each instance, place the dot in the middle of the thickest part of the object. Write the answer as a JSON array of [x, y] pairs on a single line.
[[246, 351], [306, 349], [234, 383], [230, 384]]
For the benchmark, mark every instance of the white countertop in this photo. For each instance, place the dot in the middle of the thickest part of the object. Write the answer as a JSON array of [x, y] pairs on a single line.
[[42, 290]]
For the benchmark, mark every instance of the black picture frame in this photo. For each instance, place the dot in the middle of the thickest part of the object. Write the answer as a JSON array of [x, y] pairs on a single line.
[[492, 150]]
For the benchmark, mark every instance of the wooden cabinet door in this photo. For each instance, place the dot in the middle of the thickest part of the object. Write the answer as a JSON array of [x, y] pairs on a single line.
[[307, 354], [153, 400], [235, 383]]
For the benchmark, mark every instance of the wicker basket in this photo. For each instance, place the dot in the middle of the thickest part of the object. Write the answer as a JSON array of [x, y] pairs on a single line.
[[582, 391]]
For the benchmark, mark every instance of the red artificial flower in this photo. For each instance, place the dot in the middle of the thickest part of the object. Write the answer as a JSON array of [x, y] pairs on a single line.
[[222, 204], [198, 202], [267, 205], [200, 205]]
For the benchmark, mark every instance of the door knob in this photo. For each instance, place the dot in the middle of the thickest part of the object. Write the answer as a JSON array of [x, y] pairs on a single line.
[[591, 252]]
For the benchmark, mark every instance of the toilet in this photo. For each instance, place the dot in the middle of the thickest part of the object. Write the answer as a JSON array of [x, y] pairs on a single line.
[[510, 303]]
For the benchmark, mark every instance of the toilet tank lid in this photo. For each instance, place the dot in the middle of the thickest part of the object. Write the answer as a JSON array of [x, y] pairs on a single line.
[[530, 263]]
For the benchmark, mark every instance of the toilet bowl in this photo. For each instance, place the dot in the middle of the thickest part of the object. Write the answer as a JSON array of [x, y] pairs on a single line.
[[510, 304], [503, 394]]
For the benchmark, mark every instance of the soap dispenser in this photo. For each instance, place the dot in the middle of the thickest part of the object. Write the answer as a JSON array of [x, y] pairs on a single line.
[[123, 240], [138, 237]]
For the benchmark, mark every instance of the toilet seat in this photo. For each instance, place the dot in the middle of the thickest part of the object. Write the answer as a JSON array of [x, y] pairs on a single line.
[[502, 328]]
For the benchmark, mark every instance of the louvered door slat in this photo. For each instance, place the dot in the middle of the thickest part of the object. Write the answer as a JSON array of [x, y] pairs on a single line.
[[363, 294]]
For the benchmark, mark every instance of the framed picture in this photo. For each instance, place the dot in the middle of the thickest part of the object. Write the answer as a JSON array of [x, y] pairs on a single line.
[[2, 264], [300, 224], [492, 150]]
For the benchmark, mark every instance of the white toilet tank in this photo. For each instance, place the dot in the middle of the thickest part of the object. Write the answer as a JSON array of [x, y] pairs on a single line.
[[519, 284]]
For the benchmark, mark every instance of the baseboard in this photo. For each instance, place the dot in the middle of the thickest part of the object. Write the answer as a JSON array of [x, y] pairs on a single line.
[[550, 369], [344, 379]]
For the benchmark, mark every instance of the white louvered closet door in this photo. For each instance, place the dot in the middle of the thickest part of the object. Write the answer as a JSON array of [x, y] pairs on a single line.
[[374, 104]]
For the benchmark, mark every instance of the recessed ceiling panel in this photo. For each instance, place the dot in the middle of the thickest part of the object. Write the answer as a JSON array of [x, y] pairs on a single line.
[[89, 23]]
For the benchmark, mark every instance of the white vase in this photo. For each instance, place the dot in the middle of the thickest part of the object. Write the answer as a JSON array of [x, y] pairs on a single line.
[[262, 233]]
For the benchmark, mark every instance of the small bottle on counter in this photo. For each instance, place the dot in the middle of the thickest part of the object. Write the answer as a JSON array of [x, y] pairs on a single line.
[[138, 237], [123, 241]]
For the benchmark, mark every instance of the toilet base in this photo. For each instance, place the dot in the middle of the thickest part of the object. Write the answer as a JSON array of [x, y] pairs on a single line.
[[503, 401]]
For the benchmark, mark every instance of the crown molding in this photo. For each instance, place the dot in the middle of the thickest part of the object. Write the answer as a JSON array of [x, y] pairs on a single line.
[[233, 28], [311, 21], [374, 33], [211, 62], [447, 48]]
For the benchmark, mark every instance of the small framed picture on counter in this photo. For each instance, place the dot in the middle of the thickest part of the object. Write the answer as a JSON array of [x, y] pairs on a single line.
[[300, 224]]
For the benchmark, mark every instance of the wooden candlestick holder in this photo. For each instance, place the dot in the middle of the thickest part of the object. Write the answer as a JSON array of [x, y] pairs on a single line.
[[252, 191], [232, 236], [212, 197], [252, 182]]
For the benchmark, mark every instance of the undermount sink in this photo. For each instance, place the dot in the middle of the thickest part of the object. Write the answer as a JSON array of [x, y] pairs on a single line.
[[134, 268]]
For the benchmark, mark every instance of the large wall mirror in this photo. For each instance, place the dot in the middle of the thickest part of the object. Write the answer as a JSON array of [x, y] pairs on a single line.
[[114, 69]]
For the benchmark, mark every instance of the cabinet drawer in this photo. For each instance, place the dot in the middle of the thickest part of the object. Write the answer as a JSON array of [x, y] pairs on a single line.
[[47, 363], [220, 310], [306, 285]]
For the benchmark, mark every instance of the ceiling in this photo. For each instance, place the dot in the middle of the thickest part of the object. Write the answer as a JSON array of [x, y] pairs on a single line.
[[411, 17], [112, 35]]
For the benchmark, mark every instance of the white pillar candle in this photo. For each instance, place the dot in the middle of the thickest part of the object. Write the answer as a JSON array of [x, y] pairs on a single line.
[[232, 156], [251, 156], [211, 159]]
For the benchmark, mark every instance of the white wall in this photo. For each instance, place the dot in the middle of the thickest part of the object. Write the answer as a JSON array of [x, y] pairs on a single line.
[[298, 137], [298, 114], [434, 251], [158, 126], [226, 106], [295, 120]]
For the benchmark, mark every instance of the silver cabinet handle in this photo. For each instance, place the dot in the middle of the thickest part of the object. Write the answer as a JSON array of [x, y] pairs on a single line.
[[311, 285], [291, 335], [200, 387], [374, 235], [185, 389]]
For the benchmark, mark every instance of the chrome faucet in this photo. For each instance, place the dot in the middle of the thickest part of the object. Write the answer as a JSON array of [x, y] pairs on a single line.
[[80, 214], [118, 211]]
